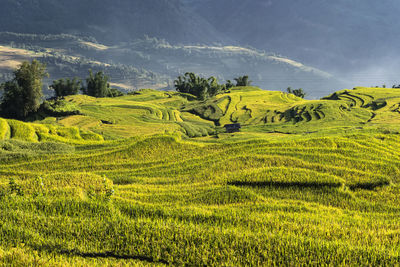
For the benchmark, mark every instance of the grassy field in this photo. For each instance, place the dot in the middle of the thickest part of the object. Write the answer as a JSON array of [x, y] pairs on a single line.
[[305, 182]]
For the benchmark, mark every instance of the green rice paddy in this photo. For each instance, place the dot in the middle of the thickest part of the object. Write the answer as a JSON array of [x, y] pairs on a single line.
[[153, 179]]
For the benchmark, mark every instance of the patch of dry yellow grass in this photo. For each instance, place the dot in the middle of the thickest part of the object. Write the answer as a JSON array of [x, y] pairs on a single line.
[[11, 58]]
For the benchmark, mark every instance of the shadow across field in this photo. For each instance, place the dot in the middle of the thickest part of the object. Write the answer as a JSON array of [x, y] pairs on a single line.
[[106, 254], [284, 184], [299, 185], [370, 185]]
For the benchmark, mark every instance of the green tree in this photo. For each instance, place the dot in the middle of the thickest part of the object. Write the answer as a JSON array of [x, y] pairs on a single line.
[[243, 81], [115, 93], [200, 87], [12, 100], [214, 88], [297, 92], [23, 95], [97, 85], [229, 84], [64, 87]]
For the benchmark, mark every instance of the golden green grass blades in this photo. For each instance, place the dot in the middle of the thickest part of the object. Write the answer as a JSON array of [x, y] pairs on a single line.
[[153, 179]]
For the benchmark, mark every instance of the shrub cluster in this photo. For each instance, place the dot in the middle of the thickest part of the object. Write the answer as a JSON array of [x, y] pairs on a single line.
[[203, 88], [200, 87], [22, 96], [297, 92]]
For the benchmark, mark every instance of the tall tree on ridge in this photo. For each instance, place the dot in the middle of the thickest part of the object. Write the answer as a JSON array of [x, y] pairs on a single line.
[[23, 95]]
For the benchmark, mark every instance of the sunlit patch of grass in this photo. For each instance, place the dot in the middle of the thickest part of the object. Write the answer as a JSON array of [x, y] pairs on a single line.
[[33, 132], [22, 131], [4, 129]]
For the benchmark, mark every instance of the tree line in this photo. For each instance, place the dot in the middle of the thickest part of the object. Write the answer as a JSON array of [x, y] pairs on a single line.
[[23, 94], [204, 88]]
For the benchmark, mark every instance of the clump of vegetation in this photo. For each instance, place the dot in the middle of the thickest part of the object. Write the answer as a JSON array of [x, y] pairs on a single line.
[[97, 85], [204, 88], [22, 96], [297, 92], [115, 93], [200, 87], [59, 108], [15, 188], [243, 81], [65, 87], [103, 192]]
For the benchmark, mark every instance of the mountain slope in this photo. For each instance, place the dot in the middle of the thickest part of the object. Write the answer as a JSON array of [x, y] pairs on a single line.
[[349, 39], [338, 35], [108, 20], [153, 63]]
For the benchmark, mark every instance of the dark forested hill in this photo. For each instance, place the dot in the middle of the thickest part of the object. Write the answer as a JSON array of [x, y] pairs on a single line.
[[334, 35], [108, 20]]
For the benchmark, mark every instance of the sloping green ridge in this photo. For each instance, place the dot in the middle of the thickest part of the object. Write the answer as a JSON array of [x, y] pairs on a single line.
[[148, 112], [31, 132], [362, 107]]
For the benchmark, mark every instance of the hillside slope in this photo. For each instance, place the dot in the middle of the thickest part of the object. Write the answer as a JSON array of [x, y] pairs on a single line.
[[306, 182], [35, 133], [154, 63], [106, 20], [161, 200], [339, 36], [148, 112], [353, 40]]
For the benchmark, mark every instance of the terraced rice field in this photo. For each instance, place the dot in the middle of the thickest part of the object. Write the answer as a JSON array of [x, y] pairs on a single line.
[[281, 112], [150, 112], [168, 201], [383, 104], [31, 132], [125, 183], [145, 113]]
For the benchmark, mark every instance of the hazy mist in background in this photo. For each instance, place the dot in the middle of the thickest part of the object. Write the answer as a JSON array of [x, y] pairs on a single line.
[[356, 40]]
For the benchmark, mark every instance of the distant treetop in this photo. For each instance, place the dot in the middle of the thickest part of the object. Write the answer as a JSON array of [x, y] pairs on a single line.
[[200, 87], [243, 81]]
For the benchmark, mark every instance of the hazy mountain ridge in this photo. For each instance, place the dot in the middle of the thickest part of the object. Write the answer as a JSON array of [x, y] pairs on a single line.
[[156, 63], [339, 36], [110, 21]]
